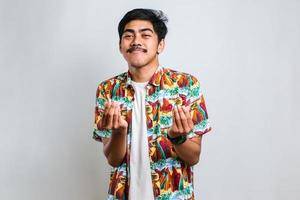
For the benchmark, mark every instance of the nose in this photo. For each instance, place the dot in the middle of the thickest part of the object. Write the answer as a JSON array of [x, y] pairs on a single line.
[[136, 41]]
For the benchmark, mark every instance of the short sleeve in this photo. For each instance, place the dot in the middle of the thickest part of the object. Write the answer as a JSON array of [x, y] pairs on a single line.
[[198, 109], [101, 99]]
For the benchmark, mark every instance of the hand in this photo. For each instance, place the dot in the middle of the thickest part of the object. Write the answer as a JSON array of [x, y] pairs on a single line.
[[182, 121], [112, 119]]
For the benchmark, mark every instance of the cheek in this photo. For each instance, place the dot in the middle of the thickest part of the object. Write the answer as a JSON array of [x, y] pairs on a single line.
[[123, 49], [152, 48], [124, 44]]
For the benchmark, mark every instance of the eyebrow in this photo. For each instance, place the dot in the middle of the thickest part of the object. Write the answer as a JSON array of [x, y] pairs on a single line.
[[141, 30]]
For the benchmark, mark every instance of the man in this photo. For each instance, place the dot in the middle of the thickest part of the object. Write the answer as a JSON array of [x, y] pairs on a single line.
[[150, 119]]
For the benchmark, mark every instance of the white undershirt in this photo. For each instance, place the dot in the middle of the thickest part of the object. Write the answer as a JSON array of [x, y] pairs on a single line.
[[140, 173]]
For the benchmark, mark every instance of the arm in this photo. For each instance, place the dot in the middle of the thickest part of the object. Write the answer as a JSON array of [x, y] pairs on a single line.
[[190, 150], [114, 148]]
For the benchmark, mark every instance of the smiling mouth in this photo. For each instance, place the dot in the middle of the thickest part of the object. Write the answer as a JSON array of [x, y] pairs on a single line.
[[136, 49]]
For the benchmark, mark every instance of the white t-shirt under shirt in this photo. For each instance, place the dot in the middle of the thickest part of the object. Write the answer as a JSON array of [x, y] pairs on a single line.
[[140, 173]]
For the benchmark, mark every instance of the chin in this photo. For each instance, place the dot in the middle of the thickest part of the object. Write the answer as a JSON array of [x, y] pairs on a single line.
[[137, 65]]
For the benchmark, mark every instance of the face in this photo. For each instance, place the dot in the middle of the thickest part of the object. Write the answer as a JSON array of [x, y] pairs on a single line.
[[139, 44]]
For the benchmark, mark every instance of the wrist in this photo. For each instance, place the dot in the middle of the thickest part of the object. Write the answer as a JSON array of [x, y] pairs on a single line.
[[177, 140], [120, 131], [171, 134]]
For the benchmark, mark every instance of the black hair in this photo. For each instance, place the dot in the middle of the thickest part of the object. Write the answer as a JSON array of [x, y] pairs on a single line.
[[156, 17]]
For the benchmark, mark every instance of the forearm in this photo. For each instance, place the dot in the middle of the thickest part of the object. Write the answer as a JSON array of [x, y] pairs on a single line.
[[189, 151], [115, 148]]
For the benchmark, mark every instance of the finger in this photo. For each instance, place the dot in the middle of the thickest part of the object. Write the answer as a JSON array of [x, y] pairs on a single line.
[[116, 117], [188, 107], [119, 112], [188, 116], [177, 119], [173, 119], [110, 114], [120, 115], [183, 119], [104, 117], [107, 106]]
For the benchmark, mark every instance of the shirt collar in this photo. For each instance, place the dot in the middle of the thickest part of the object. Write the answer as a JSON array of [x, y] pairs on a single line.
[[155, 79]]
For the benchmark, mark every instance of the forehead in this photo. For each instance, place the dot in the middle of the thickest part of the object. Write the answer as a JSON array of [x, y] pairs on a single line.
[[137, 25]]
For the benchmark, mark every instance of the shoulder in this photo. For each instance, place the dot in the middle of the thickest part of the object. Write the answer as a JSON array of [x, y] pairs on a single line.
[[120, 78], [180, 76]]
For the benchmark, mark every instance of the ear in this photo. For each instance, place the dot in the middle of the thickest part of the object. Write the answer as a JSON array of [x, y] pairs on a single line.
[[161, 46]]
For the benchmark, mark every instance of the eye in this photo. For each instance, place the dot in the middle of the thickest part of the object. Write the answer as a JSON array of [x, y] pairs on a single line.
[[127, 36], [146, 35]]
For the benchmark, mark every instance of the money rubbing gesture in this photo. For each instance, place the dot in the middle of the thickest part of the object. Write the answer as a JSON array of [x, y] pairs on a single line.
[[182, 122], [112, 119]]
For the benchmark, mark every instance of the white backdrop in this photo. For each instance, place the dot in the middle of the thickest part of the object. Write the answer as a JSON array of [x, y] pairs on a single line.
[[54, 53]]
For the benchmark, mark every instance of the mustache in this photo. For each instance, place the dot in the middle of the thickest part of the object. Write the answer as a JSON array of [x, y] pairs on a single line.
[[134, 48]]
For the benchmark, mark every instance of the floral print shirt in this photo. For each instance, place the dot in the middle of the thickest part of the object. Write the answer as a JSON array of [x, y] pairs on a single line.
[[171, 177]]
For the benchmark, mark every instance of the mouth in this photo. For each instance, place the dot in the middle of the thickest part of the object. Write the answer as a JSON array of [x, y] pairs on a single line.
[[136, 49]]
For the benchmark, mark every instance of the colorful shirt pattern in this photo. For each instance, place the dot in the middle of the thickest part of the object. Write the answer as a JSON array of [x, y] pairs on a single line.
[[171, 177]]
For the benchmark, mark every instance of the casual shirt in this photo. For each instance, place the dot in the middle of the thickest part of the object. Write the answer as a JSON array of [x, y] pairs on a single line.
[[171, 177]]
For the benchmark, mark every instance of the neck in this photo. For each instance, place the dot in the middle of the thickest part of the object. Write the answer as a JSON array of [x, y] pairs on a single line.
[[144, 73]]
